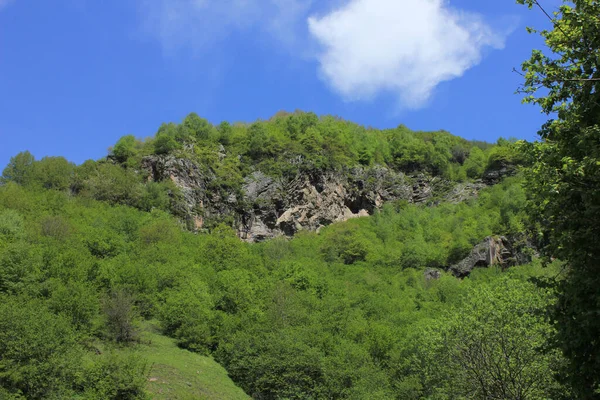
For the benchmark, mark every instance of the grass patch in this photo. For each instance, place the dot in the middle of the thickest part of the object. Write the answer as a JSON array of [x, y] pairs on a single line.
[[180, 374]]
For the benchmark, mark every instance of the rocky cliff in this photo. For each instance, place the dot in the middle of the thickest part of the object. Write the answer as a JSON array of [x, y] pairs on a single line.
[[500, 251], [268, 207]]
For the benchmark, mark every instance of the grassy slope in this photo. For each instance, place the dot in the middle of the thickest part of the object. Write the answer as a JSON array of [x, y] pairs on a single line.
[[181, 374]]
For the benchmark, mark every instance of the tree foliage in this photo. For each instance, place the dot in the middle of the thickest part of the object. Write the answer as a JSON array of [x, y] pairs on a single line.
[[564, 181], [19, 168], [39, 357], [331, 315], [493, 346], [87, 251]]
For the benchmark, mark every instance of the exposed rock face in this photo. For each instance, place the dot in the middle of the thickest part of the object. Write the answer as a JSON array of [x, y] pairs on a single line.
[[498, 171], [269, 207], [312, 200], [432, 274], [499, 251], [184, 173], [464, 191], [200, 201]]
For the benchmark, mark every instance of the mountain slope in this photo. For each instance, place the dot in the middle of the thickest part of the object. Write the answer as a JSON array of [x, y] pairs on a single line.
[[178, 374], [359, 308]]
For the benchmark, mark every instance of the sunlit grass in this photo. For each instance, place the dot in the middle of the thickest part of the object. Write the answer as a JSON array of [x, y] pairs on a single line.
[[180, 374]]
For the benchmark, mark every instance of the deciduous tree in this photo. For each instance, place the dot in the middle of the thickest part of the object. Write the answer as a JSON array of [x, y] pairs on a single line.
[[564, 181]]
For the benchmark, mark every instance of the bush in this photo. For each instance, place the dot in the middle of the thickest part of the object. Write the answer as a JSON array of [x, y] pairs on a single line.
[[113, 184], [476, 163], [156, 195], [116, 376], [12, 225], [125, 148], [102, 243], [186, 316], [346, 243], [56, 227], [77, 302], [39, 355], [121, 317], [165, 144], [19, 267], [161, 230]]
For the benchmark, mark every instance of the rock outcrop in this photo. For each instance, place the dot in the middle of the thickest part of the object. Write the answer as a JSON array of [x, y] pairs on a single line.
[[268, 207], [432, 274], [498, 171], [494, 251], [464, 191], [310, 201]]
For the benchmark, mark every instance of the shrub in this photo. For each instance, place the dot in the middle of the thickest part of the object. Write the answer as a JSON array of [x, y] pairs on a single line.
[[116, 376], [345, 242], [121, 317], [39, 355], [186, 316], [124, 148], [475, 163], [56, 227], [165, 144], [12, 225], [76, 301]]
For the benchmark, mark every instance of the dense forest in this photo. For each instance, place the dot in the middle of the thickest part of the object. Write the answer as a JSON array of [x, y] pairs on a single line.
[[345, 313], [101, 261]]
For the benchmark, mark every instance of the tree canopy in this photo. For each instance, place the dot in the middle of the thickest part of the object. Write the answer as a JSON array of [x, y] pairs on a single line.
[[564, 180]]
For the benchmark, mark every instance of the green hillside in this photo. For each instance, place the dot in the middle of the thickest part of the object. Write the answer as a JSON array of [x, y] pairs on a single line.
[[307, 257], [179, 374], [352, 311]]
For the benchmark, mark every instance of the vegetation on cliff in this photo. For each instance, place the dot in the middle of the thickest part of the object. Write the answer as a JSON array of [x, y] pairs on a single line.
[[345, 313], [93, 256], [210, 175]]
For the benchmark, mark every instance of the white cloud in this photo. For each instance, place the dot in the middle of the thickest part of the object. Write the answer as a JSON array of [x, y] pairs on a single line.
[[198, 24], [403, 47]]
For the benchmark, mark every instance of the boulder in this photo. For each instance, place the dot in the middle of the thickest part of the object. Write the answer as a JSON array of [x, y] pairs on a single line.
[[497, 172], [432, 274], [495, 250]]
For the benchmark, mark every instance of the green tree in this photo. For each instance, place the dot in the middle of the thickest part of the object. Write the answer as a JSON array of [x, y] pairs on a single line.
[[225, 131], [198, 127], [116, 377], [186, 316], [39, 355], [156, 195], [346, 243], [53, 173], [109, 182], [19, 267], [18, 168], [165, 144], [258, 140], [125, 148], [77, 302], [475, 164], [564, 181], [493, 346], [121, 317], [12, 225]]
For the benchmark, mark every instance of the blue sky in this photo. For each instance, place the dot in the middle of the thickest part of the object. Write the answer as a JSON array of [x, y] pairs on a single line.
[[75, 75]]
